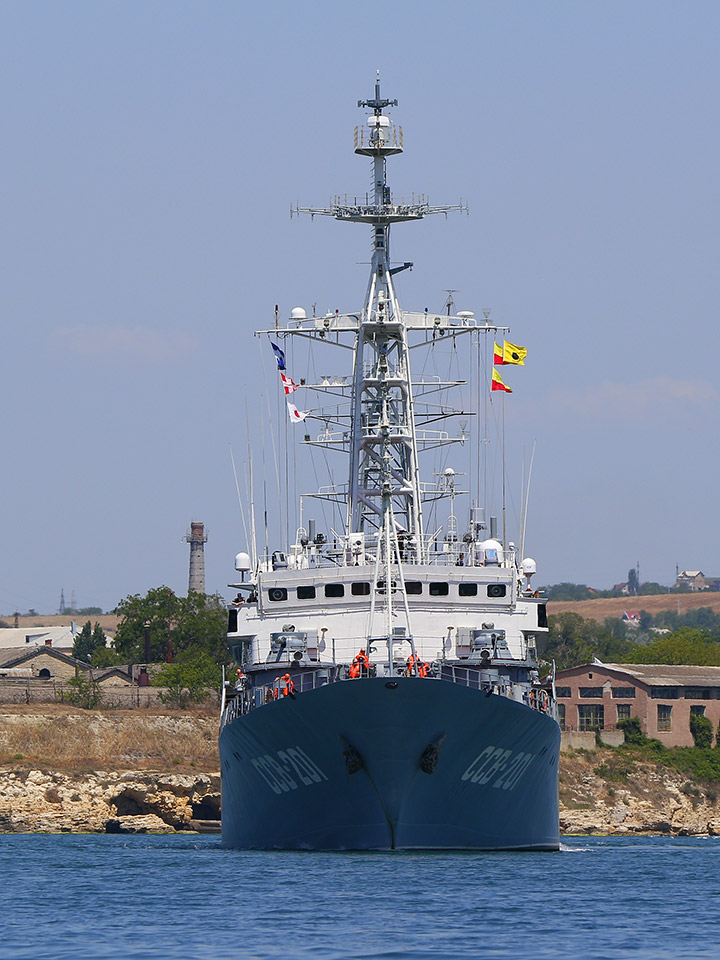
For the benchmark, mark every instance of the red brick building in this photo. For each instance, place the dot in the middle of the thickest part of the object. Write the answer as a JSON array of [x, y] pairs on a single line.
[[663, 697]]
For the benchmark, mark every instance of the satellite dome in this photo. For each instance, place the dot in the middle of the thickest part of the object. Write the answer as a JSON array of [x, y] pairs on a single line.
[[298, 313], [528, 566], [242, 562]]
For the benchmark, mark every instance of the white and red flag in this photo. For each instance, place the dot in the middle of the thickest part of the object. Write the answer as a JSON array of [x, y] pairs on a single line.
[[295, 414], [289, 384]]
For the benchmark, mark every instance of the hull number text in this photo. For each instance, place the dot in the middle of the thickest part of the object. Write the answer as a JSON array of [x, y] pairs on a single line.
[[288, 769], [499, 767]]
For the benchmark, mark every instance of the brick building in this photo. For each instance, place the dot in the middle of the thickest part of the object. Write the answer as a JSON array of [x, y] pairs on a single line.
[[598, 695]]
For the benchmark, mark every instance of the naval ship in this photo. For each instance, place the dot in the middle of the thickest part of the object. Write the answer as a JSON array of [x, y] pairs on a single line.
[[387, 692]]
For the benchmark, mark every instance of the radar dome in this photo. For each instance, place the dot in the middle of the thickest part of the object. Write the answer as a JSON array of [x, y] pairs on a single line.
[[528, 566], [298, 313], [242, 562]]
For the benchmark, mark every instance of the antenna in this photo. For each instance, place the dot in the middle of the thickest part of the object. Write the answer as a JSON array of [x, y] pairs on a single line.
[[61, 608], [449, 303]]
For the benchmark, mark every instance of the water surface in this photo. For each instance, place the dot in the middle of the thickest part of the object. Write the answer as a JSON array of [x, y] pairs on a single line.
[[177, 898]]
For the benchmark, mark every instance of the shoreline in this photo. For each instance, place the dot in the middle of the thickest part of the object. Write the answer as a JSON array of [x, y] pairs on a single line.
[[64, 770]]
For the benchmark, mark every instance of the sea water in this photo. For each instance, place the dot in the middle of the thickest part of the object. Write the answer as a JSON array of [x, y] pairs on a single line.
[[182, 897]]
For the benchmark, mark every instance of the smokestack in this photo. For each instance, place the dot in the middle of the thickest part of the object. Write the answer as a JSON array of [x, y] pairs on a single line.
[[197, 538]]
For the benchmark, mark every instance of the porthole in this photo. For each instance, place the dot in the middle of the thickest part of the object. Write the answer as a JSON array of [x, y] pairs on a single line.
[[277, 593], [497, 589]]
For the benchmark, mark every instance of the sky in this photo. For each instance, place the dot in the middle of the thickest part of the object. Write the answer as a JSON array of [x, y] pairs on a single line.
[[152, 151]]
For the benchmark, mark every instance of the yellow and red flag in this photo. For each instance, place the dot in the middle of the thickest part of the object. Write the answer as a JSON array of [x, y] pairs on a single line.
[[497, 383], [509, 353]]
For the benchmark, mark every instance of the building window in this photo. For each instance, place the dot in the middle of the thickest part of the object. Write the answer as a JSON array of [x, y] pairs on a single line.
[[561, 715], [698, 693], [664, 693], [496, 589], [413, 587], [360, 589], [306, 593], [623, 711], [664, 717], [697, 710], [334, 590], [591, 716], [438, 589], [621, 693], [563, 692], [591, 692], [467, 589], [277, 593]]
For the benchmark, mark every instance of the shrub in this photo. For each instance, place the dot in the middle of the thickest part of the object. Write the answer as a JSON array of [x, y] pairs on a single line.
[[702, 731], [632, 728], [84, 693]]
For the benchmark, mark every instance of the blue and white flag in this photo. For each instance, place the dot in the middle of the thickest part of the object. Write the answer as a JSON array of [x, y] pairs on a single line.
[[279, 355]]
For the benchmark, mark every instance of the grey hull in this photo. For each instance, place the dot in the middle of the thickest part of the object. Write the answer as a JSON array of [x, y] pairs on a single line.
[[373, 765]]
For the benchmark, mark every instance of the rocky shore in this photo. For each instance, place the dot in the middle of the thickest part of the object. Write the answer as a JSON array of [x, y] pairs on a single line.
[[136, 772], [602, 792], [36, 801]]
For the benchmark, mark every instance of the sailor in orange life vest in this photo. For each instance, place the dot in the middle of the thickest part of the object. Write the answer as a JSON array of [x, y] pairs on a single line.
[[360, 663], [241, 680], [289, 685], [422, 668]]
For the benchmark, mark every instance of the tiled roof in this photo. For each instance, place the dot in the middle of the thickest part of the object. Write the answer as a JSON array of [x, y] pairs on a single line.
[[661, 674]]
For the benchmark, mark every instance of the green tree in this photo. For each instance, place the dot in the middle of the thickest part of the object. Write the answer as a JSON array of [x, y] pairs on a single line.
[[701, 729], [195, 623], [106, 657], [189, 679], [685, 645], [632, 582], [88, 641], [573, 640]]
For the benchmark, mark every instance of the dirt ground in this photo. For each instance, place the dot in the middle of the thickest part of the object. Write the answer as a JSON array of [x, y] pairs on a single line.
[[614, 606]]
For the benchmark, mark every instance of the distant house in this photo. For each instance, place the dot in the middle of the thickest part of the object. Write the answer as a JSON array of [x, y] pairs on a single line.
[[631, 617], [61, 638], [621, 588], [47, 663], [598, 695], [693, 580], [41, 663]]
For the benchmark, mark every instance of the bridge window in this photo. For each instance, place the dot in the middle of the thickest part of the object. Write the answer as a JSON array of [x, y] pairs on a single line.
[[306, 593], [277, 593], [439, 589], [413, 587], [360, 589], [334, 590], [467, 589]]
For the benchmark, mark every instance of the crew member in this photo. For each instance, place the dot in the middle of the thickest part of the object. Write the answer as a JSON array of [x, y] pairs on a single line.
[[416, 664], [360, 663], [289, 685]]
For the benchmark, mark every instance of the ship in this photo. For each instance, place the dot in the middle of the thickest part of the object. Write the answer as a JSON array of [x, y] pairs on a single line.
[[387, 692]]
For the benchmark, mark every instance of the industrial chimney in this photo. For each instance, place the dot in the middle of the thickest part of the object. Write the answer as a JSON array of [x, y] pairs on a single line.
[[197, 538]]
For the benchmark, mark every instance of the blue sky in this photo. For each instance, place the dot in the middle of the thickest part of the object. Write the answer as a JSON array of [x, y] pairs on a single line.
[[151, 154]]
